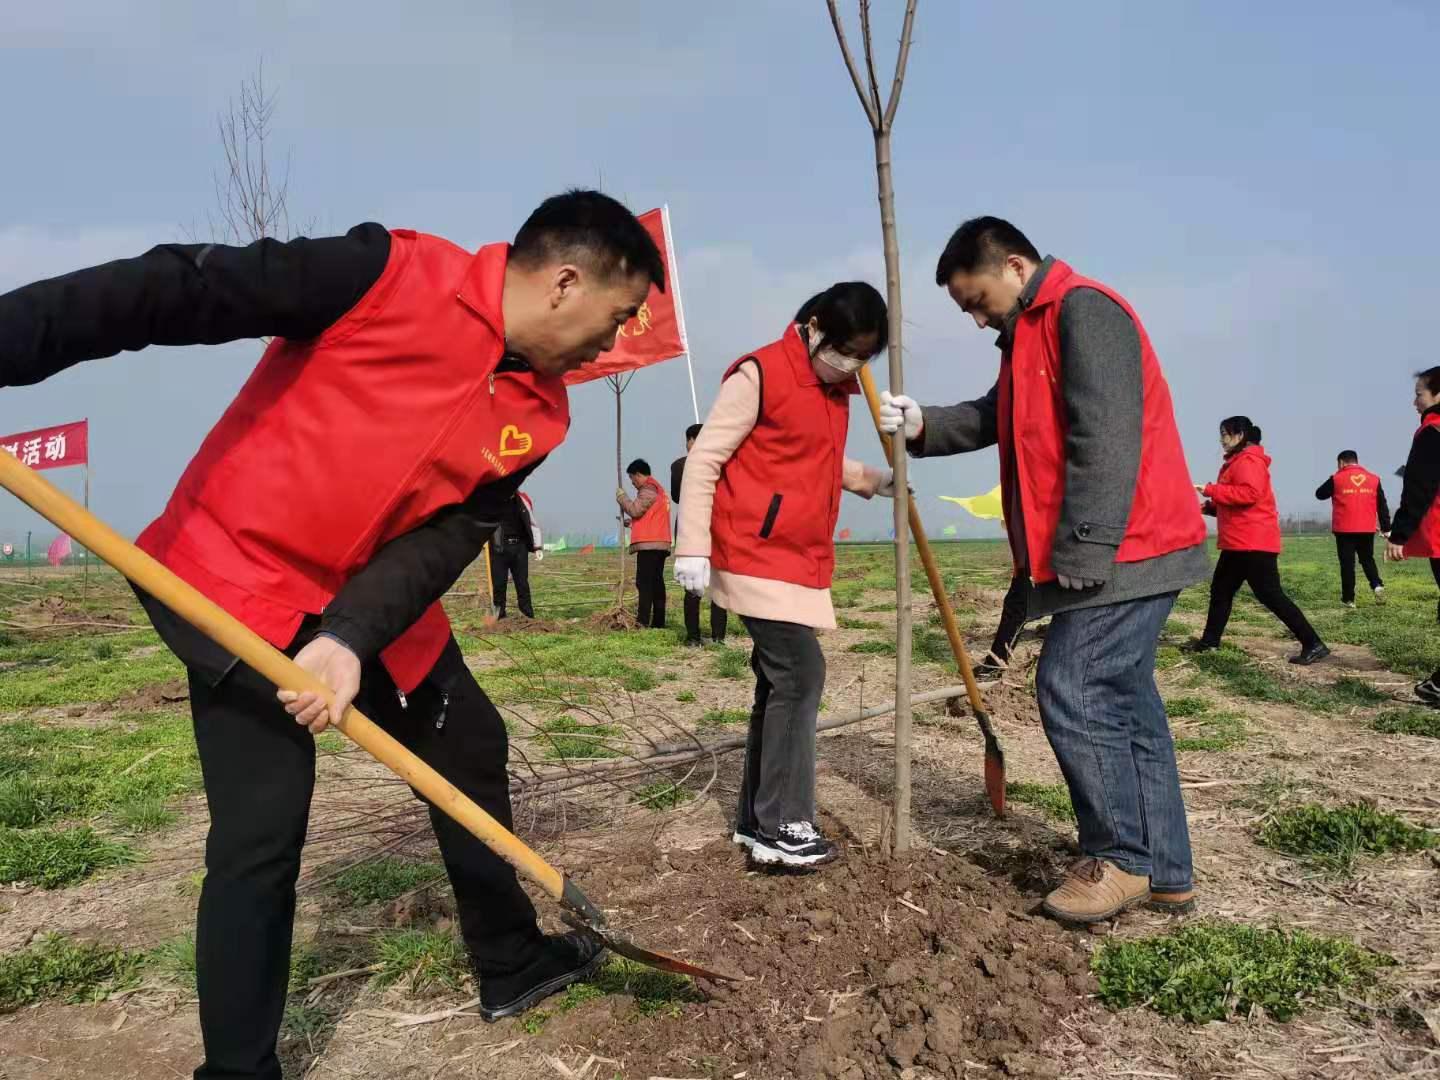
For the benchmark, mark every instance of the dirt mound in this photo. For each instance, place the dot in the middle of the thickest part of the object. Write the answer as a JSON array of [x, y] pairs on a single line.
[[868, 967]]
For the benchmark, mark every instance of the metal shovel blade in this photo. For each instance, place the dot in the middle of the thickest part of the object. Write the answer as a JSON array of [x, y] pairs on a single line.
[[584, 916]]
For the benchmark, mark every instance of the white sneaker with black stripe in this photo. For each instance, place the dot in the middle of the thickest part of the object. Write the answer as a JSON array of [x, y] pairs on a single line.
[[796, 844], [744, 836]]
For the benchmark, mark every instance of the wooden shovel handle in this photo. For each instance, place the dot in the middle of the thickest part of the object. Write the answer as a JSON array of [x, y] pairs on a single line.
[[228, 632], [932, 569]]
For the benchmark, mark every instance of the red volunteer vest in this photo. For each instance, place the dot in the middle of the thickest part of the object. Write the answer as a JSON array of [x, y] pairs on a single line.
[[778, 496], [337, 445], [1426, 541], [1164, 515], [653, 526], [1355, 505]]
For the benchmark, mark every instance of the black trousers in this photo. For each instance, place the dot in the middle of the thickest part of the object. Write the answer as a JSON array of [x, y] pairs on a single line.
[[650, 581], [511, 559], [778, 784], [258, 767], [1350, 546], [719, 619], [1261, 571], [1012, 619]]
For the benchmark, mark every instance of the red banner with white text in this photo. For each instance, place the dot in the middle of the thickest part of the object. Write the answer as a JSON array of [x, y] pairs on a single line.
[[52, 447], [657, 332]]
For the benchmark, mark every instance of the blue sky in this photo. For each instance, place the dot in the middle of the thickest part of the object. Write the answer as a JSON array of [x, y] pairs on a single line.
[[1259, 180]]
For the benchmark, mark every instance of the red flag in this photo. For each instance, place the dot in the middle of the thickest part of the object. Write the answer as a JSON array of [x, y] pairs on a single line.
[[588, 549], [657, 332], [59, 550], [52, 447], [844, 534]]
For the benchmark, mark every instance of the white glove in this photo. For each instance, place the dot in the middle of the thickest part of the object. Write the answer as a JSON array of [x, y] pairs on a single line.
[[900, 412], [886, 487], [692, 573]]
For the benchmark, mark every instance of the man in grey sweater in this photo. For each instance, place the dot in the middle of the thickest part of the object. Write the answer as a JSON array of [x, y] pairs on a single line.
[[1104, 526]]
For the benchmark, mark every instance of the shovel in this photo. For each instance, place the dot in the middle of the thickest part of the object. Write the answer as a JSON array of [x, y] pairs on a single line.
[[994, 756], [228, 632]]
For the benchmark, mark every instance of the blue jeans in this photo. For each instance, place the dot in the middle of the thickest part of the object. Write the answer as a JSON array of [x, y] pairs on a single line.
[[1106, 722]]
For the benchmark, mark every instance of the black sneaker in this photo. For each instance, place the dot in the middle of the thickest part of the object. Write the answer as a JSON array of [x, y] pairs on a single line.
[[990, 669], [1429, 692], [1311, 654], [694, 643], [745, 836], [564, 959], [1198, 645], [796, 843]]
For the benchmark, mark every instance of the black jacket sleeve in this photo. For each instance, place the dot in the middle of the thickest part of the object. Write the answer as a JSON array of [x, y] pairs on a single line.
[[1382, 508], [1327, 490], [413, 571], [1422, 481], [187, 294]]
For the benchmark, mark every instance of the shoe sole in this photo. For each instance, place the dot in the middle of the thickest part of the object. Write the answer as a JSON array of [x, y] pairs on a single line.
[[770, 857], [1298, 662], [1094, 917], [544, 990], [740, 839]]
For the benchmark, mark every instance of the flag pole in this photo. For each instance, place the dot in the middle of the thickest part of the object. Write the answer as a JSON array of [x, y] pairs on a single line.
[[85, 588], [679, 307]]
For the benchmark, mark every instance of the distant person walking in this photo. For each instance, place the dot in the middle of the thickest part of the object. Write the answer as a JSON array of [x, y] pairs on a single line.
[[719, 617], [510, 550], [1243, 502], [1357, 507], [649, 514], [1415, 532]]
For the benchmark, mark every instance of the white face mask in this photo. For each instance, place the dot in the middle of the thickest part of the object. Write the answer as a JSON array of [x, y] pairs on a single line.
[[831, 365]]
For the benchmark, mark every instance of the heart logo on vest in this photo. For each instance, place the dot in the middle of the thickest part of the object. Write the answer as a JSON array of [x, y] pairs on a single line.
[[514, 442], [1357, 480]]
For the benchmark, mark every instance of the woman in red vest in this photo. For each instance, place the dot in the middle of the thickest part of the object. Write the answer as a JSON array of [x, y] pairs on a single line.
[[649, 514], [757, 525], [1243, 502], [1415, 532]]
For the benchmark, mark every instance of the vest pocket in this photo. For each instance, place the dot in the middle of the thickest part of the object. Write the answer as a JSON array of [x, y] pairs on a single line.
[[770, 516]]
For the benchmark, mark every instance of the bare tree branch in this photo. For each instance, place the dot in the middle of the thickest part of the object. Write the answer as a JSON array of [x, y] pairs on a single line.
[[252, 201], [900, 61], [870, 111], [867, 40]]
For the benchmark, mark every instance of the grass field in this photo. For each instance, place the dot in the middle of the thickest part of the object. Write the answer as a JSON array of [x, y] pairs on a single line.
[[1311, 795]]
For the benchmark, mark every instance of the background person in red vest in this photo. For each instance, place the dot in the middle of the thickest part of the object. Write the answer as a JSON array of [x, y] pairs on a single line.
[[649, 514], [1243, 503], [442, 371], [1357, 507], [1415, 532], [510, 550], [1104, 529], [719, 620], [757, 528]]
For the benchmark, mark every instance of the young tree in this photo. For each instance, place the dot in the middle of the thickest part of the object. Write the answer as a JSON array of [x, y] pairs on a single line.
[[881, 116]]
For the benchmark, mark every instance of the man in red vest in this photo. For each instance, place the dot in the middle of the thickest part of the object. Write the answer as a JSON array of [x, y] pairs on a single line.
[[1357, 507], [410, 389], [1105, 528]]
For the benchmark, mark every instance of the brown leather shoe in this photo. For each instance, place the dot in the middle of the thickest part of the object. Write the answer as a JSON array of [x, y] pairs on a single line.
[[1173, 903], [1093, 890]]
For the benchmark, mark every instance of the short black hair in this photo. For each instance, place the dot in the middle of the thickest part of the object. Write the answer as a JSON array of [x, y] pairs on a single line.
[[640, 466], [982, 243], [847, 310], [693, 431], [1431, 378], [590, 228], [1348, 457]]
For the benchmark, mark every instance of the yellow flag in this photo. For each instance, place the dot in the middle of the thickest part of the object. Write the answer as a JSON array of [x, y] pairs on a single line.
[[988, 505]]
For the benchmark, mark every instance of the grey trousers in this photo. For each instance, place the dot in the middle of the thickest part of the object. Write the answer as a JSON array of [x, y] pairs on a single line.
[[779, 781]]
